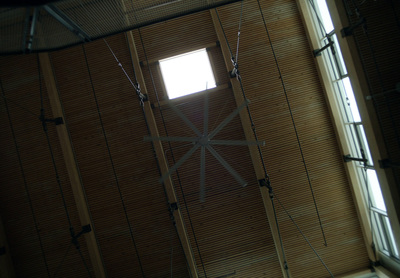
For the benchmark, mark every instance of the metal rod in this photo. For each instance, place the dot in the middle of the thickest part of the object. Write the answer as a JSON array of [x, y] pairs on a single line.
[[236, 142], [202, 174], [226, 165], [66, 21], [179, 163], [33, 29], [186, 120], [228, 119], [171, 139]]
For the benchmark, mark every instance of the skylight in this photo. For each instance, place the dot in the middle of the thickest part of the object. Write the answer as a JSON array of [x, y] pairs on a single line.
[[187, 73]]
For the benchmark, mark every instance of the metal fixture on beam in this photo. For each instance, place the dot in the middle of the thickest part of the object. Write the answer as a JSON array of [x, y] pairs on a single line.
[[348, 158], [29, 41], [67, 22], [348, 31]]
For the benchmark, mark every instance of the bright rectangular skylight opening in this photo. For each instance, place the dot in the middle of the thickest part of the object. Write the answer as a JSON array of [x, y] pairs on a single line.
[[187, 73]]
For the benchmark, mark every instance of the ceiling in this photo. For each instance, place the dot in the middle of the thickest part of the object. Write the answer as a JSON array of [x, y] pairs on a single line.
[[50, 25], [229, 234]]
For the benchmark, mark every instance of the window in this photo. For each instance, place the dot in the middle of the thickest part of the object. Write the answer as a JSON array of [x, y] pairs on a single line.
[[187, 73], [351, 119]]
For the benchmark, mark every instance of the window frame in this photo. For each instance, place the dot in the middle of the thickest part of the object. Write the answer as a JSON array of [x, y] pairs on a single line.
[[365, 211]]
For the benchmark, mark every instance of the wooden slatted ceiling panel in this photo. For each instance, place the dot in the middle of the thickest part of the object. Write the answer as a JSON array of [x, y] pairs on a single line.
[[133, 161], [345, 251], [20, 84], [229, 233], [284, 161]]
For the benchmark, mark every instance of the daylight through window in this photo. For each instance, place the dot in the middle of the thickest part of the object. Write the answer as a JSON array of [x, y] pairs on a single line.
[[187, 73], [351, 118]]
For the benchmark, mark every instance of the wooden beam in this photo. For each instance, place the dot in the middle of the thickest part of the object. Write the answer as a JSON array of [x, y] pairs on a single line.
[[255, 157], [71, 165], [154, 61], [187, 97], [169, 187], [6, 265]]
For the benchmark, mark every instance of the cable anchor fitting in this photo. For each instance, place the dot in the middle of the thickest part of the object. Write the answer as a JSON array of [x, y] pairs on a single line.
[[235, 71], [267, 183], [142, 97], [85, 229], [348, 31], [348, 158], [172, 208]]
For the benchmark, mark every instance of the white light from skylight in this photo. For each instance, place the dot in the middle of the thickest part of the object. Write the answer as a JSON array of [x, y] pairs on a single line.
[[187, 73], [325, 16]]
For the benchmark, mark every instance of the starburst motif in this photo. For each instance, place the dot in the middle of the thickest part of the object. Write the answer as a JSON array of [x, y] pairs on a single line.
[[205, 141]]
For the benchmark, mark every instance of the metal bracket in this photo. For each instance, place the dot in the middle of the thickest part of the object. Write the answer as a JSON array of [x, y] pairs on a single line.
[[317, 52], [267, 183], [67, 22], [264, 182], [348, 31], [173, 207], [85, 229], [56, 121], [348, 158], [373, 264]]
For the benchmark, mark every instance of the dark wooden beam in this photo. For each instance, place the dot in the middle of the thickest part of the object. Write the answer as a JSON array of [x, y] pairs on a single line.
[[71, 165], [255, 157], [169, 187]]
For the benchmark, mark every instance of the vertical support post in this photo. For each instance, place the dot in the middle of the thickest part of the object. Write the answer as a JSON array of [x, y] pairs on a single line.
[[6, 266], [244, 117], [71, 165], [169, 187]]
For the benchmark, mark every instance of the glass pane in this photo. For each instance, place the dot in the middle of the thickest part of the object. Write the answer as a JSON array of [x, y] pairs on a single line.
[[375, 190], [344, 102], [390, 232], [187, 73], [325, 16], [365, 145], [351, 100], [381, 231], [339, 56]]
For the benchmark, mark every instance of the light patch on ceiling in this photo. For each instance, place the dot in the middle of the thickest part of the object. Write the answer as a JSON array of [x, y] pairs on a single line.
[[187, 73]]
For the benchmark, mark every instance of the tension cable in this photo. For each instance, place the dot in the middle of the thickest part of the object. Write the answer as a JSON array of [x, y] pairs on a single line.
[[266, 181], [294, 124], [58, 121], [110, 156], [28, 195], [172, 153], [136, 86]]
